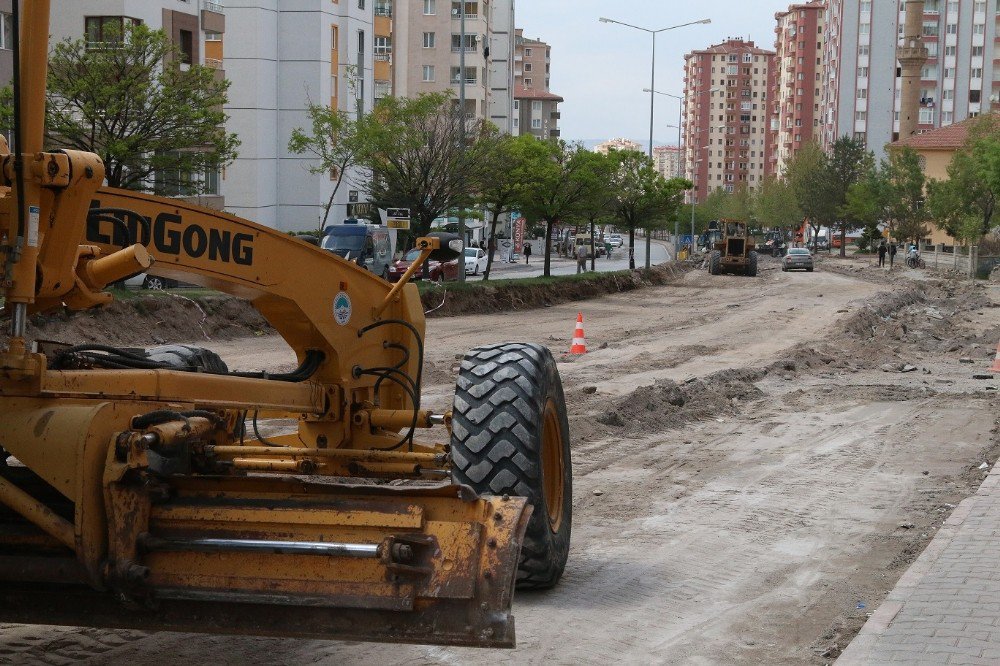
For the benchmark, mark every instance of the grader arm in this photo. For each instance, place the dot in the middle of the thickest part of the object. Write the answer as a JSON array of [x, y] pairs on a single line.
[[131, 492]]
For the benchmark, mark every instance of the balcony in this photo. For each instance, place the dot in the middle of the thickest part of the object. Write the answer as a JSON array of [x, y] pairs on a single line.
[[383, 56], [213, 17], [213, 7], [383, 9]]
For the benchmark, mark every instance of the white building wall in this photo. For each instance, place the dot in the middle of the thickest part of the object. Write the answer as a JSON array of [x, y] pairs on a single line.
[[501, 60]]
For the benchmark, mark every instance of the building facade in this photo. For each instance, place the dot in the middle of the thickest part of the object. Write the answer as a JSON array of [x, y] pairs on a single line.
[[862, 85], [290, 55], [669, 161], [536, 107], [795, 98], [726, 116]]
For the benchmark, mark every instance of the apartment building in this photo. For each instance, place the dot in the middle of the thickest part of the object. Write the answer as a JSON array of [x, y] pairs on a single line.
[[726, 116], [669, 161], [795, 98], [862, 85], [606, 147], [429, 48], [536, 107], [291, 54]]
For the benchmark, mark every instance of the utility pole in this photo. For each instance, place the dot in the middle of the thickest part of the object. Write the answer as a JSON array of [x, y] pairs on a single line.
[[461, 105]]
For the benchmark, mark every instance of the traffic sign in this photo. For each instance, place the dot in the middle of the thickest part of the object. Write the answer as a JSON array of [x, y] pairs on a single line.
[[397, 218], [686, 239]]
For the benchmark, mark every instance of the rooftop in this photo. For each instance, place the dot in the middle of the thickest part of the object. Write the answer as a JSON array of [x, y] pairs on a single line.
[[944, 138], [520, 92]]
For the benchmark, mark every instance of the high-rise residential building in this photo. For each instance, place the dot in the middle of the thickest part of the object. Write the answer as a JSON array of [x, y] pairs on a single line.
[[197, 28], [617, 144], [536, 107], [317, 52], [669, 161], [862, 85], [795, 99], [429, 45], [6, 47], [726, 117]]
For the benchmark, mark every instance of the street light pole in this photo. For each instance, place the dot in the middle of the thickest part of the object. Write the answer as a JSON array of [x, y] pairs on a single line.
[[652, 98], [678, 170], [461, 117]]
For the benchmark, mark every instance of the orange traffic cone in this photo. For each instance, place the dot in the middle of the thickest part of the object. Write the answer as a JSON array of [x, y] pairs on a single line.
[[996, 360], [579, 341]]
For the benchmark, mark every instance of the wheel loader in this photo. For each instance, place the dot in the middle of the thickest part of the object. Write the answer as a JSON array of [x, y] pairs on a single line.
[[734, 252], [137, 489]]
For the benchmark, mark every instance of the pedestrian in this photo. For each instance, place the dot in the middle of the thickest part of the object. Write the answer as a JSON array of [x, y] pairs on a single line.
[[581, 259], [527, 253], [607, 248], [892, 254], [881, 254]]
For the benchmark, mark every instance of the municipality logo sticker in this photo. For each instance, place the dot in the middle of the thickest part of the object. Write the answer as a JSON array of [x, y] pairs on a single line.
[[342, 308]]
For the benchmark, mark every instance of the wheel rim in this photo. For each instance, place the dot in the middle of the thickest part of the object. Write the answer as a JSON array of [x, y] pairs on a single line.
[[155, 284], [552, 465]]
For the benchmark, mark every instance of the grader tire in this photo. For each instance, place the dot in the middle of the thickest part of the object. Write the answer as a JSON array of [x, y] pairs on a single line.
[[713, 263], [510, 436], [752, 264]]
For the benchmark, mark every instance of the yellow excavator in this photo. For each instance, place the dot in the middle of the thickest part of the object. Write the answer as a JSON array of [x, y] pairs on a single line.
[[133, 492]]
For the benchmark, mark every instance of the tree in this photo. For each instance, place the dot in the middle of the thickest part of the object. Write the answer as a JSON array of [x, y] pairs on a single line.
[[425, 155], [505, 176], [641, 197], [775, 205], [563, 176], [337, 141], [848, 163], [907, 205], [963, 205], [808, 176], [596, 205], [157, 126]]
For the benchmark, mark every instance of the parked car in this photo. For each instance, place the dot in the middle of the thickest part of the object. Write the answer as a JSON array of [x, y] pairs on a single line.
[[436, 271], [366, 244], [475, 261], [616, 240], [152, 282], [797, 258]]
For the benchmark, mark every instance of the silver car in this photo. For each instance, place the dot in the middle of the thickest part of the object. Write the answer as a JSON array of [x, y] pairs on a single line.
[[797, 258]]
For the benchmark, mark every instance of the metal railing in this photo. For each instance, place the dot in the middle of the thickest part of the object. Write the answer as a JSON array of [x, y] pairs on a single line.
[[214, 63], [213, 6]]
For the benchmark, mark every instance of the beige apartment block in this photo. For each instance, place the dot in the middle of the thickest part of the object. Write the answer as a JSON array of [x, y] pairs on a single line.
[[617, 144], [669, 161]]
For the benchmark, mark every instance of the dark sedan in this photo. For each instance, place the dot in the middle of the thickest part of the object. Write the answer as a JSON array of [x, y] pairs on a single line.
[[797, 258]]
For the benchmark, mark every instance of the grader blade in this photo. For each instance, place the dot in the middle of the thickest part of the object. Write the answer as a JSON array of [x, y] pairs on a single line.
[[288, 557]]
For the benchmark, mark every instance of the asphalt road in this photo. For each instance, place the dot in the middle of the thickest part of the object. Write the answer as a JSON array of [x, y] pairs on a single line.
[[562, 266]]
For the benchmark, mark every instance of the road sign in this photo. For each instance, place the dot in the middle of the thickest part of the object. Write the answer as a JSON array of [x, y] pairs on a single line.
[[686, 239], [397, 218]]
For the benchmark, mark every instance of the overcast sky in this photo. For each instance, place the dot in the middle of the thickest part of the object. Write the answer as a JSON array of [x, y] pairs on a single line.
[[601, 68]]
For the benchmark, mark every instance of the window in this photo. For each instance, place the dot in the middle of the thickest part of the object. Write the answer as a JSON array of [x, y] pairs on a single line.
[[428, 73], [862, 93], [99, 29], [949, 72], [950, 50], [187, 46], [527, 53], [429, 40], [6, 31], [977, 72], [977, 51], [865, 28], [862, 72], [979, 6], [978, 29], [382, 46], [951, 29], [975, 96], [926, 116], [536, 106], [931, 29], [948, 94], [866, 6], [527, 83], [429, 8], [527, 66], [536, 123], [213, 37], [361, 4], [863, 50]]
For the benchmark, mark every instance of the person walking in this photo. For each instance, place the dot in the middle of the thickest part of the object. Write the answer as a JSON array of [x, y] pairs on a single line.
[[527, 253], [881, 254], [581, 259], [892, 254]]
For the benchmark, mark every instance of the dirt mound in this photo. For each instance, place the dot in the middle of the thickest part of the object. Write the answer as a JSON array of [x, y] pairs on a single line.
[[667, 404], [509, 295], [150, 320]]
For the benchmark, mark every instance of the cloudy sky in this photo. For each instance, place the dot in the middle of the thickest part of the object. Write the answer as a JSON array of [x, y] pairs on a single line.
[[601, 68]]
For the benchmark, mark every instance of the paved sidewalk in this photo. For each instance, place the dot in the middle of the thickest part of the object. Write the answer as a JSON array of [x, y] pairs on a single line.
[[946, 607]]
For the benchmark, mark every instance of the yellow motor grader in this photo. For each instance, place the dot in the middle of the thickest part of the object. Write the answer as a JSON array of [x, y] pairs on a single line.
[[133, 493]]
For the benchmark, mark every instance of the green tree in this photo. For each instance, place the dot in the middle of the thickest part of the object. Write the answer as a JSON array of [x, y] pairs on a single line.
[[970, 192], [157, 126], [337, 140], [907, 205], [563, 178], [425, 155], [506, 174], [849, 162], [596, 205], [775, 205], [808, 176], [641, 197]]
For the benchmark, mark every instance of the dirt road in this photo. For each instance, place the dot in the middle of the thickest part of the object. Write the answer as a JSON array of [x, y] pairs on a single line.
[[752, 474]]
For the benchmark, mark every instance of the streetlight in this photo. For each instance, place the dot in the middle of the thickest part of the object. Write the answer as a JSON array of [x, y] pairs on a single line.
[[652, 100], [710, 91], [679, 174]]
